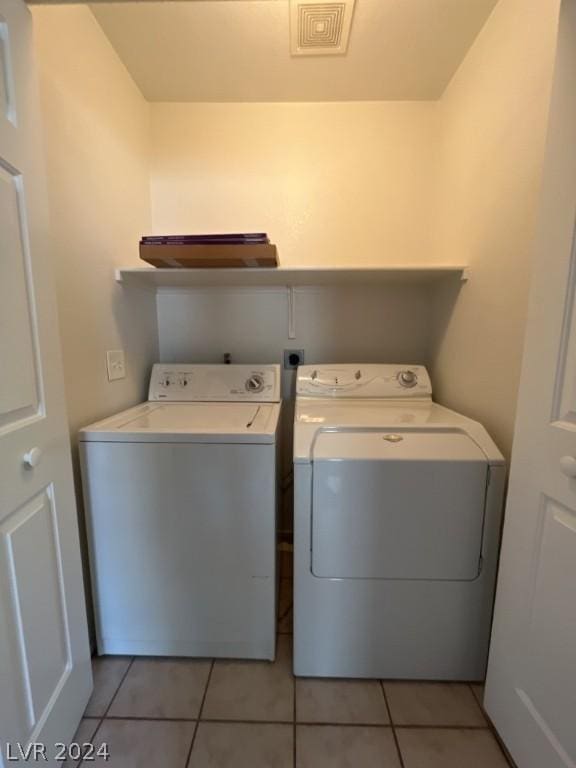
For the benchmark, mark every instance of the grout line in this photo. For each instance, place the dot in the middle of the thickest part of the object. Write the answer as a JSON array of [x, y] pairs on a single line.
[[392, 726], [206, 689], [349, 724], [477, 700], [480, 706], [92, 739], [231, 721], [124, 676], [491, 727], [426, 680], [147, 718], [419, 726], [128, 668], [192, 740], [323, 724], [189, 755], [294, 734], [133, 719], [286, 613], [503, 748], [290, 722], [246, 722]]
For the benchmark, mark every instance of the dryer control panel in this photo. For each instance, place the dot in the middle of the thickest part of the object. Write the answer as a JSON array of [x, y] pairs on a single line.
[[372, 380], [181, 382]]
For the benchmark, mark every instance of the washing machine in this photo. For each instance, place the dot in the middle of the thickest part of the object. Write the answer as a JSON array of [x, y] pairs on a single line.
[[398, 505], [181, 510]]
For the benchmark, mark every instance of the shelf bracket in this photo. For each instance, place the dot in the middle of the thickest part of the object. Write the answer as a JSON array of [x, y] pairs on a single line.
[[291, 312]]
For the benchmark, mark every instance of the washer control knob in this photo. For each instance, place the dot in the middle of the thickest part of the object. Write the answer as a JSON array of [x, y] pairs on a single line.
[[255, 383], [407, 378]]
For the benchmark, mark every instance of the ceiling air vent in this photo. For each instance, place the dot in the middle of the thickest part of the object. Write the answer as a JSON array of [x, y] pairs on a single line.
[[319, 29]]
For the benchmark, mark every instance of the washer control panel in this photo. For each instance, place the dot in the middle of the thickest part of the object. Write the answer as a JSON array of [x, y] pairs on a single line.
[[364, 381], [183, 382]]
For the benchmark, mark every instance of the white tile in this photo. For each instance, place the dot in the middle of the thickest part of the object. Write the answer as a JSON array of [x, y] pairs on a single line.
[[433, 704], [333, 746], [252, 690], [108, 672], [340, 701], [171, 688], [145, 743], [242, 745], [449, 748]]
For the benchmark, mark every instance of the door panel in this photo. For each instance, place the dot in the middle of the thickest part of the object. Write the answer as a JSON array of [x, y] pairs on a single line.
[[45, 677], [31, 536], [18, 386], [549, 655], [7, 105], [531, 684], [564, 403]]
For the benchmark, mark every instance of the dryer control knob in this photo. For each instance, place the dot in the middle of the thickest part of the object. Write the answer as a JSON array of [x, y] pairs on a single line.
[[407, 378], [255, 383]]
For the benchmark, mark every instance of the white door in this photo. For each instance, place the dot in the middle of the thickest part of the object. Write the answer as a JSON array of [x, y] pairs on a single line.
[[531, 687], [45, 677]]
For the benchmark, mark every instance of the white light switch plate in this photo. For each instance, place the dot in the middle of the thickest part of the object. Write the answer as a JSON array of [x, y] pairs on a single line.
[[115, 364]]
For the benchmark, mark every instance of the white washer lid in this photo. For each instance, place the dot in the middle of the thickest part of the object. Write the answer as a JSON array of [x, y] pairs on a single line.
[[188, 422], [392, 445]]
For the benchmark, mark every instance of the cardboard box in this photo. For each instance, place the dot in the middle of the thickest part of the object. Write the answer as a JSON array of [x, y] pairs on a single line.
[[209, 256]]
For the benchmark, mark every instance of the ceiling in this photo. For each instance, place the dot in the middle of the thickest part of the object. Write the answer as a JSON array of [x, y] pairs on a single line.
[[239, 50]]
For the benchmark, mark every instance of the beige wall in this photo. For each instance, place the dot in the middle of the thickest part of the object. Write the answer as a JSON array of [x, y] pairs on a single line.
[[96, 127], [332, 183], [493, 125], [454, 181]]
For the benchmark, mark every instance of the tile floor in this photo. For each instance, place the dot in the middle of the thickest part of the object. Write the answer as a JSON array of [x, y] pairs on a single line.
[[180, 713]]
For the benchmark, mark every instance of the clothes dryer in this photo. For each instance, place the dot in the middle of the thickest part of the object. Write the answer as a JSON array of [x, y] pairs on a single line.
[[398, 505]]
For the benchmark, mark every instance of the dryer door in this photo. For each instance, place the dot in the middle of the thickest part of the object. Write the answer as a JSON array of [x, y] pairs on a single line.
[[397, 506]]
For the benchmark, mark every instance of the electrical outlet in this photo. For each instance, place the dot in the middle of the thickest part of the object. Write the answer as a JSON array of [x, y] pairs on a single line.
[[115, 364], [293, 358]]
